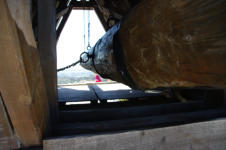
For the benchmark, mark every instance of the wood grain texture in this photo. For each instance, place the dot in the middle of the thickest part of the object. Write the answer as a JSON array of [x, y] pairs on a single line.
[[176, 43], [7, 138], [21, 78], [198, 136], [103, 91], [159, 43], [22, 18]]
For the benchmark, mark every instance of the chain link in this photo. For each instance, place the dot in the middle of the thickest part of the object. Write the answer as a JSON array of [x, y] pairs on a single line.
[[69, 66], [88, 47], [81, 60]]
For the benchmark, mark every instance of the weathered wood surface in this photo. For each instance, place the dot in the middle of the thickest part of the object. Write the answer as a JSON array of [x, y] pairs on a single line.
[[8, 140], [20, 12], [119, 91], [75, 93], [160, 43], [99, 91], [137, 122], [209, 135], [182, 48], [21, 79]]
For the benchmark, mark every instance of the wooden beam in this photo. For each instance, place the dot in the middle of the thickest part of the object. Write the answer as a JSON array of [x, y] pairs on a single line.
[[62, 23], [117, 113], [137, 123], [21, 78], [101, 18], [82, 4], [8, 139], [209, 135], [47, 50]]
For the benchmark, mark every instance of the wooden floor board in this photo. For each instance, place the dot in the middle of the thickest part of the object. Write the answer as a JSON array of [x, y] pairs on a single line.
[[100, 91], [100, 114], [209, 135], [137, 123]]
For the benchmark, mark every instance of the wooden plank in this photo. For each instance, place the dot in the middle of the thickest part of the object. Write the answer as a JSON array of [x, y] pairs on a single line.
[[83, 4], [62, 23], [101, 18], [21, 78], [118, 91], [209, 135], [75, 94], [47, 49], [137, 123], [7, 138], [99, 91], [104, 114]]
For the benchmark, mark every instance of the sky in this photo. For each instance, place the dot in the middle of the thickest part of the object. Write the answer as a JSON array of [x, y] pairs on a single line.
[[71, 42]]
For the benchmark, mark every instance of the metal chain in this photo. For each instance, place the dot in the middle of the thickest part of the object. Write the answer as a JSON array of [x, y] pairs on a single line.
[[84, 28], [69, 66], [81, 60], [88, 47]]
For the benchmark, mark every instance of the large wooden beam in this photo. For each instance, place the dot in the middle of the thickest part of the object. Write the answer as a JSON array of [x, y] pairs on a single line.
[[209, 135], [21, 78], [165, 44], [47, 50], [117, 113], [137, 123]]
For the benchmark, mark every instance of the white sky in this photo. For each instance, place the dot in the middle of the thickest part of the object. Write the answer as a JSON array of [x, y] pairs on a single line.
[[71, 41]]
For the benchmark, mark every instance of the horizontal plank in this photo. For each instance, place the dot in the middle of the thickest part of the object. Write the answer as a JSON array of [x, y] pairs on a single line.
[[81, 4], [75, 94], [128, 112], [99, 92], [209, 135], [119, 91], [135, 123]]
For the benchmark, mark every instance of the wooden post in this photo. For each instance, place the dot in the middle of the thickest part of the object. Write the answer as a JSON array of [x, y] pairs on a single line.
[[47, 49], [224, 97], [21, 78]]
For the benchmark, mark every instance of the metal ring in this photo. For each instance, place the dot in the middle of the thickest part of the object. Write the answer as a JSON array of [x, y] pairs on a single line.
[[88, 47], [81, 59]]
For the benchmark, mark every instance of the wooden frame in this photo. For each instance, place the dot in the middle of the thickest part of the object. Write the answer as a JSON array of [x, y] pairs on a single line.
[[28, 71]]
